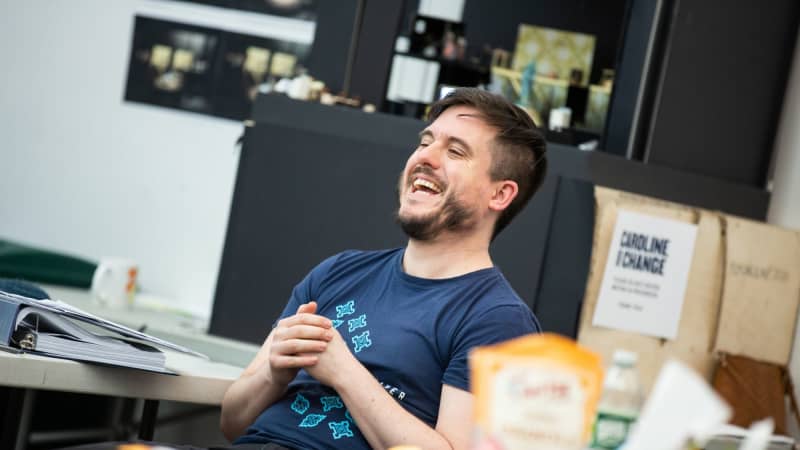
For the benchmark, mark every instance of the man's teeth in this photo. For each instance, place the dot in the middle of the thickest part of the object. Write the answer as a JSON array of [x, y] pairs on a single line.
[[419, 182]]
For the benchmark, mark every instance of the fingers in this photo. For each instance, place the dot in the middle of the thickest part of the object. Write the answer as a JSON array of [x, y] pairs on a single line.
[[292, 362], [306, 316], [291, 347], [298, 339], [303, 331], [307, 308], [312, 320], [297, 347]]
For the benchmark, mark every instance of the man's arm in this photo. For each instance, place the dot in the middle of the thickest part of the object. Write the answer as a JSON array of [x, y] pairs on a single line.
[[385, 423], [291, 345], [382, 420]]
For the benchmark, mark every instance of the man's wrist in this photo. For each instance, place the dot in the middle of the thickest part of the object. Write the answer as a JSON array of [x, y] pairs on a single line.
[[350, 376], [279, 378]]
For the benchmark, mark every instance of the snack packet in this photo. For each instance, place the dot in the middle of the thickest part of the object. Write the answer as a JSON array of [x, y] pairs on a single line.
[[536, 392]]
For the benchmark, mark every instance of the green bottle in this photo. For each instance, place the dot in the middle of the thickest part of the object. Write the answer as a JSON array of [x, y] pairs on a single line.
[[619, 404]]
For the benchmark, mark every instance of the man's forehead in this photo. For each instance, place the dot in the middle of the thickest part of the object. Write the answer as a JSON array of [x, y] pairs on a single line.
[[471, 115], [463, 114]]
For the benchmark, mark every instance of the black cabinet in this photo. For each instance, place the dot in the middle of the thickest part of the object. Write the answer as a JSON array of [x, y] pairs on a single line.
[[705, 94]]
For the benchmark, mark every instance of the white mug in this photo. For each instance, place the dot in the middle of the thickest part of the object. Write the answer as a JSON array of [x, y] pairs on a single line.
[[114, 282]]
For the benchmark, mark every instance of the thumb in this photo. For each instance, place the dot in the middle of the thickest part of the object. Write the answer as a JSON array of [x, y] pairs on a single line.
[[307, 308]]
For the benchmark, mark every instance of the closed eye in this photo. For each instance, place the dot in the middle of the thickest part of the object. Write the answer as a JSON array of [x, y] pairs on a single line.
[[425, 138]]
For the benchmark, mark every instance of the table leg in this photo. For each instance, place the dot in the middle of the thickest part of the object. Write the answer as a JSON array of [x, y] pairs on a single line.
[[16, 418], [149, 414]]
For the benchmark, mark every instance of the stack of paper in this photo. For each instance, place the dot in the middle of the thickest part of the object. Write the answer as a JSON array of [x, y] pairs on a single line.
[[53, 328], [55, 335]]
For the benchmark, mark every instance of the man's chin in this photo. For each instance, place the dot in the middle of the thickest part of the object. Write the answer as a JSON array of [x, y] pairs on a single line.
[[428, 224], [418, 228]]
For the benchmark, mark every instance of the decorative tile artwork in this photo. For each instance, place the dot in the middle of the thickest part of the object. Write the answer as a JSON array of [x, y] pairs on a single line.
[[554, 52]]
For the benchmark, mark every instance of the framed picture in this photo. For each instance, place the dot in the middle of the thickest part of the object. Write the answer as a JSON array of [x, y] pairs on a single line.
[[204, 70]]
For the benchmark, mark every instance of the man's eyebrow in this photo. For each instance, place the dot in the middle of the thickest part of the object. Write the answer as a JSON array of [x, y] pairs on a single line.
[[425, 133]]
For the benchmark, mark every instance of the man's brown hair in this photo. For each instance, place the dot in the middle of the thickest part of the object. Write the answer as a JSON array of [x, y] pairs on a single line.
[[518, 153]]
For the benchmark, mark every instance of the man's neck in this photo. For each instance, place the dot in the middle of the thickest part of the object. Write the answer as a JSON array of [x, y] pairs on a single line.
[[446, 256]]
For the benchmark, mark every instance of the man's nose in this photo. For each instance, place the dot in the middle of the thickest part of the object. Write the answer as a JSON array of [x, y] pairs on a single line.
[[430, 155]]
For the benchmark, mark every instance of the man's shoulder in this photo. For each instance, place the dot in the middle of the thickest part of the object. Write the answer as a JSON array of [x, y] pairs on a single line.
[[498, 300], [497, 290]]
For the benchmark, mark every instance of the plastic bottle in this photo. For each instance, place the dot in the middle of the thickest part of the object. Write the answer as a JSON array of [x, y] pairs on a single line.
[[619, 403]]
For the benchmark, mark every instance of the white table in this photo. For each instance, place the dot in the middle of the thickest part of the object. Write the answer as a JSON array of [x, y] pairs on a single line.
[[200, 381], [153, 316]]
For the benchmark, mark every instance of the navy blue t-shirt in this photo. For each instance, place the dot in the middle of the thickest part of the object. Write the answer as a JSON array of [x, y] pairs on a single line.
[[412, 334]]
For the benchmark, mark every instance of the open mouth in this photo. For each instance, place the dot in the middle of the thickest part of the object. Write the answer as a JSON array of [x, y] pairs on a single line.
[[426, 186]]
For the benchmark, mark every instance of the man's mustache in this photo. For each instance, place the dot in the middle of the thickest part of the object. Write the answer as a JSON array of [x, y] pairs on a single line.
[[422, 169]]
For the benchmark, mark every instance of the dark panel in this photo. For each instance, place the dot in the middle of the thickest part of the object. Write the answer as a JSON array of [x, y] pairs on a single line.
[[338, 121], [410, 8], [632, 69], [569, 252], [597, 167], [519, 250], [299, 198], [496, 23], [722, 82], [328, 58], [373, 58]]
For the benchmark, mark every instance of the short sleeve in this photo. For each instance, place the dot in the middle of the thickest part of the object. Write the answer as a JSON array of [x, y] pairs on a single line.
[[496, 325], [308, 288]]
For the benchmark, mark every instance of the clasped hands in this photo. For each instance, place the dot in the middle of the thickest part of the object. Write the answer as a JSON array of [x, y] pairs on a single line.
[[308, 341]]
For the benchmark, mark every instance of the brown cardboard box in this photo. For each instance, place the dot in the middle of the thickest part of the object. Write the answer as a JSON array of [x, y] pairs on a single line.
[[699, 314], [761, 290], [742, 294]]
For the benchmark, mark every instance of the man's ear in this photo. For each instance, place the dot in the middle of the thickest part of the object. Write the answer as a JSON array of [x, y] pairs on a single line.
[[504, 193]]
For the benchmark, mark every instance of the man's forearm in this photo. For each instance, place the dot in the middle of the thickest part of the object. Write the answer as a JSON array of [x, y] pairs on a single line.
[[245, 399], [380, 418]]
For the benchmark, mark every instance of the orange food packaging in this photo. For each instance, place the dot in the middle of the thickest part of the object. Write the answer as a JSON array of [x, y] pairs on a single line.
[[536, 392]]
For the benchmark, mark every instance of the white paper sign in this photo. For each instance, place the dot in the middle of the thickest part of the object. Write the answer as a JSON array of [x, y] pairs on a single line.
[[646, 273]]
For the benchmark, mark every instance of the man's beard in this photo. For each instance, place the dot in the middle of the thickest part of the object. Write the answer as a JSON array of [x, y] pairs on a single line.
[[452, 216]]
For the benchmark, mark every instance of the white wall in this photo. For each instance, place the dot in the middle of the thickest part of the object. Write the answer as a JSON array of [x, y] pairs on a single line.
[[784, 208], [83, 172]]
